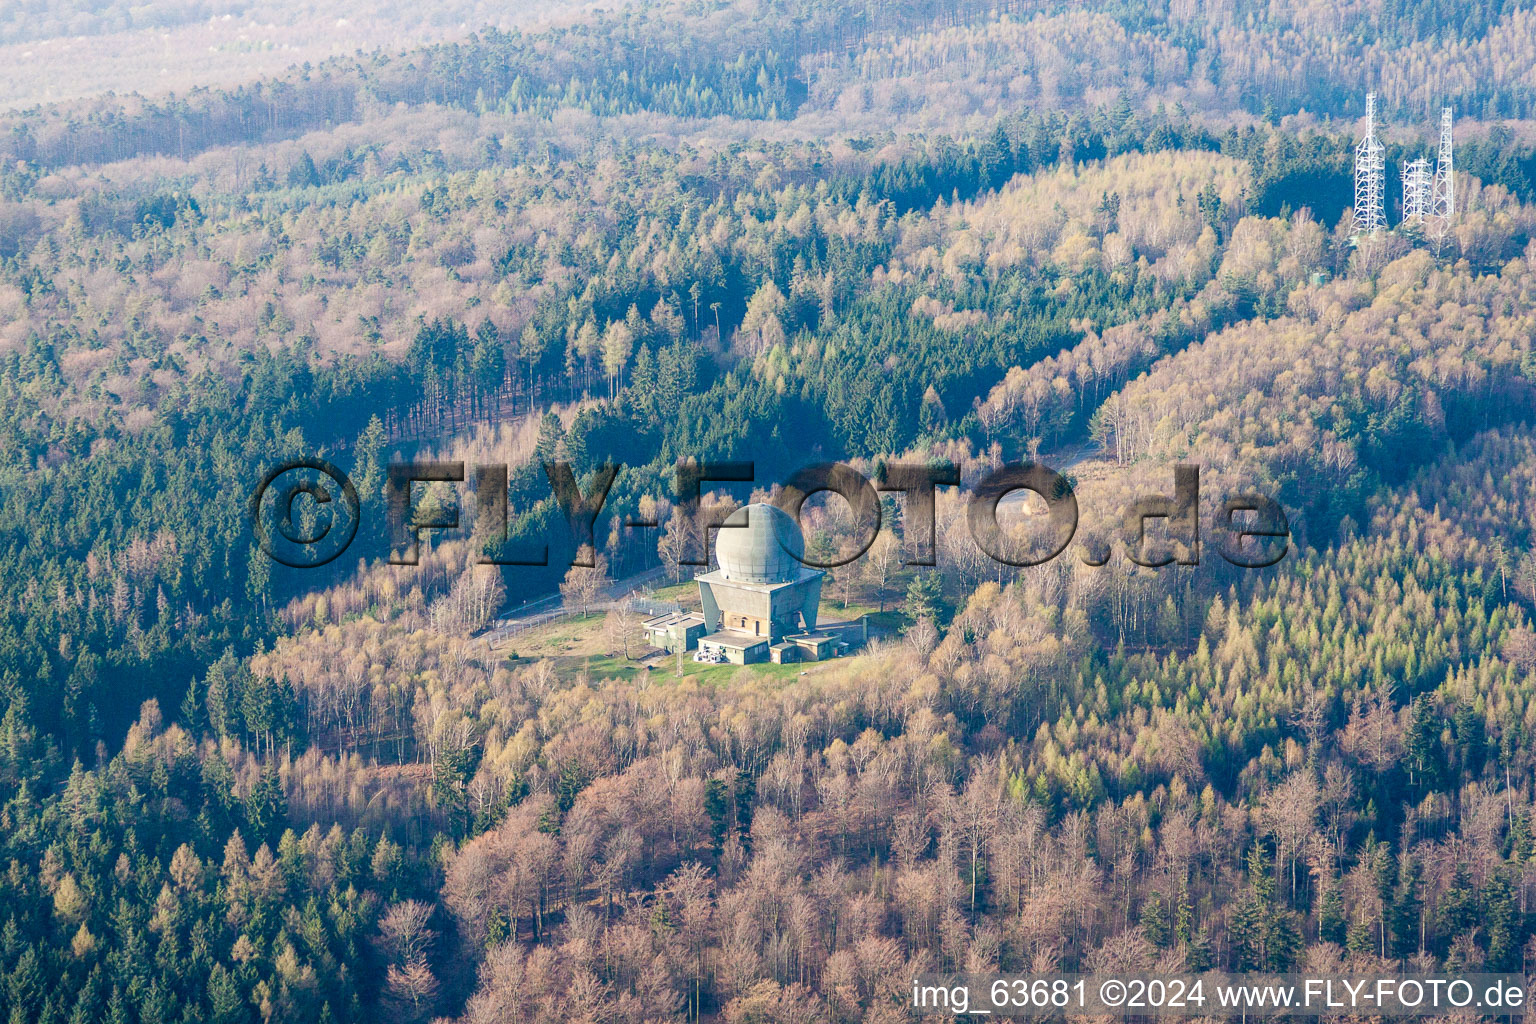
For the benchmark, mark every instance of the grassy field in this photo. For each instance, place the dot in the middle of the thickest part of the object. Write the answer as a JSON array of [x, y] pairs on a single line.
[[581, 644], [685, 594]]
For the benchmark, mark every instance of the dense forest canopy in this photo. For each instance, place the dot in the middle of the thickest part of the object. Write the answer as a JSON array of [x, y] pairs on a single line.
[[59, 50], [1115, 237]]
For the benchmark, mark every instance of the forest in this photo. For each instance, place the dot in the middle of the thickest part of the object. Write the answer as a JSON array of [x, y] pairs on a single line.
[[1114, 239]]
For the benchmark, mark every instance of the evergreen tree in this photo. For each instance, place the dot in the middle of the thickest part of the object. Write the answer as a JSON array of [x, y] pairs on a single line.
[[1245, 932], [1360, 939], [1421, 745], [1198, 953], [548, 447], [1283, 942], [1183, 916], [225, 1003], [1154, 920], [1405, 909], [1506, 929], [368, 470], [1458, 911], [925, 598]]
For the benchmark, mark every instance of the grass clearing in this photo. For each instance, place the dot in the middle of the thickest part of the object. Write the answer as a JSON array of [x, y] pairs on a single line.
[[581, 644]]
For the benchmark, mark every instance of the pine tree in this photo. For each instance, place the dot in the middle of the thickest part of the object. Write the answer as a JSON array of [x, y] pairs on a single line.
[[717, 806], [1360, 939], [1458, 905], [117, 1008], [193, 710], [226, 1005], [1259, 876], [1471, 740], [925, 598], [304, 173], [551, 436], [642, 383], [367, 471], [224, 693], [1245, 932], [258, 578], [1502, 917], [531, 346], [267, 806], [1421, 745], [489, 361], [1183, 916], [931, 415], [1407, 902], [1154, 920], [1283, 941], [1198, 954]]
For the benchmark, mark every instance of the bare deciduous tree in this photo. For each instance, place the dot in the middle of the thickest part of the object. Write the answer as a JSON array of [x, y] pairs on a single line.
[[406, 933], [583, 584]]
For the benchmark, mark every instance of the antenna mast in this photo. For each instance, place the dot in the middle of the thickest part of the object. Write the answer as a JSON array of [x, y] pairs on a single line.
[[1418, 186], [1445, 174], [1370, 175]]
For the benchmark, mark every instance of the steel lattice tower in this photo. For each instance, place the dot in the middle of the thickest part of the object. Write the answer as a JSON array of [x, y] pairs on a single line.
[[1418, 200], [1370, 175], [1444, 200]]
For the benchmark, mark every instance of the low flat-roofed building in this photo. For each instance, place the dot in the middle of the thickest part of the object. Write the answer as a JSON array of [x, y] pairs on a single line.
[[674, 631], [832, 640], [814, 646], [728, 645]]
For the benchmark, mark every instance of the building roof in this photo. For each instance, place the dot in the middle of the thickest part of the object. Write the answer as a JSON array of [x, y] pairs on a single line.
[[674, 618], [733, 639], [759, 544]]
